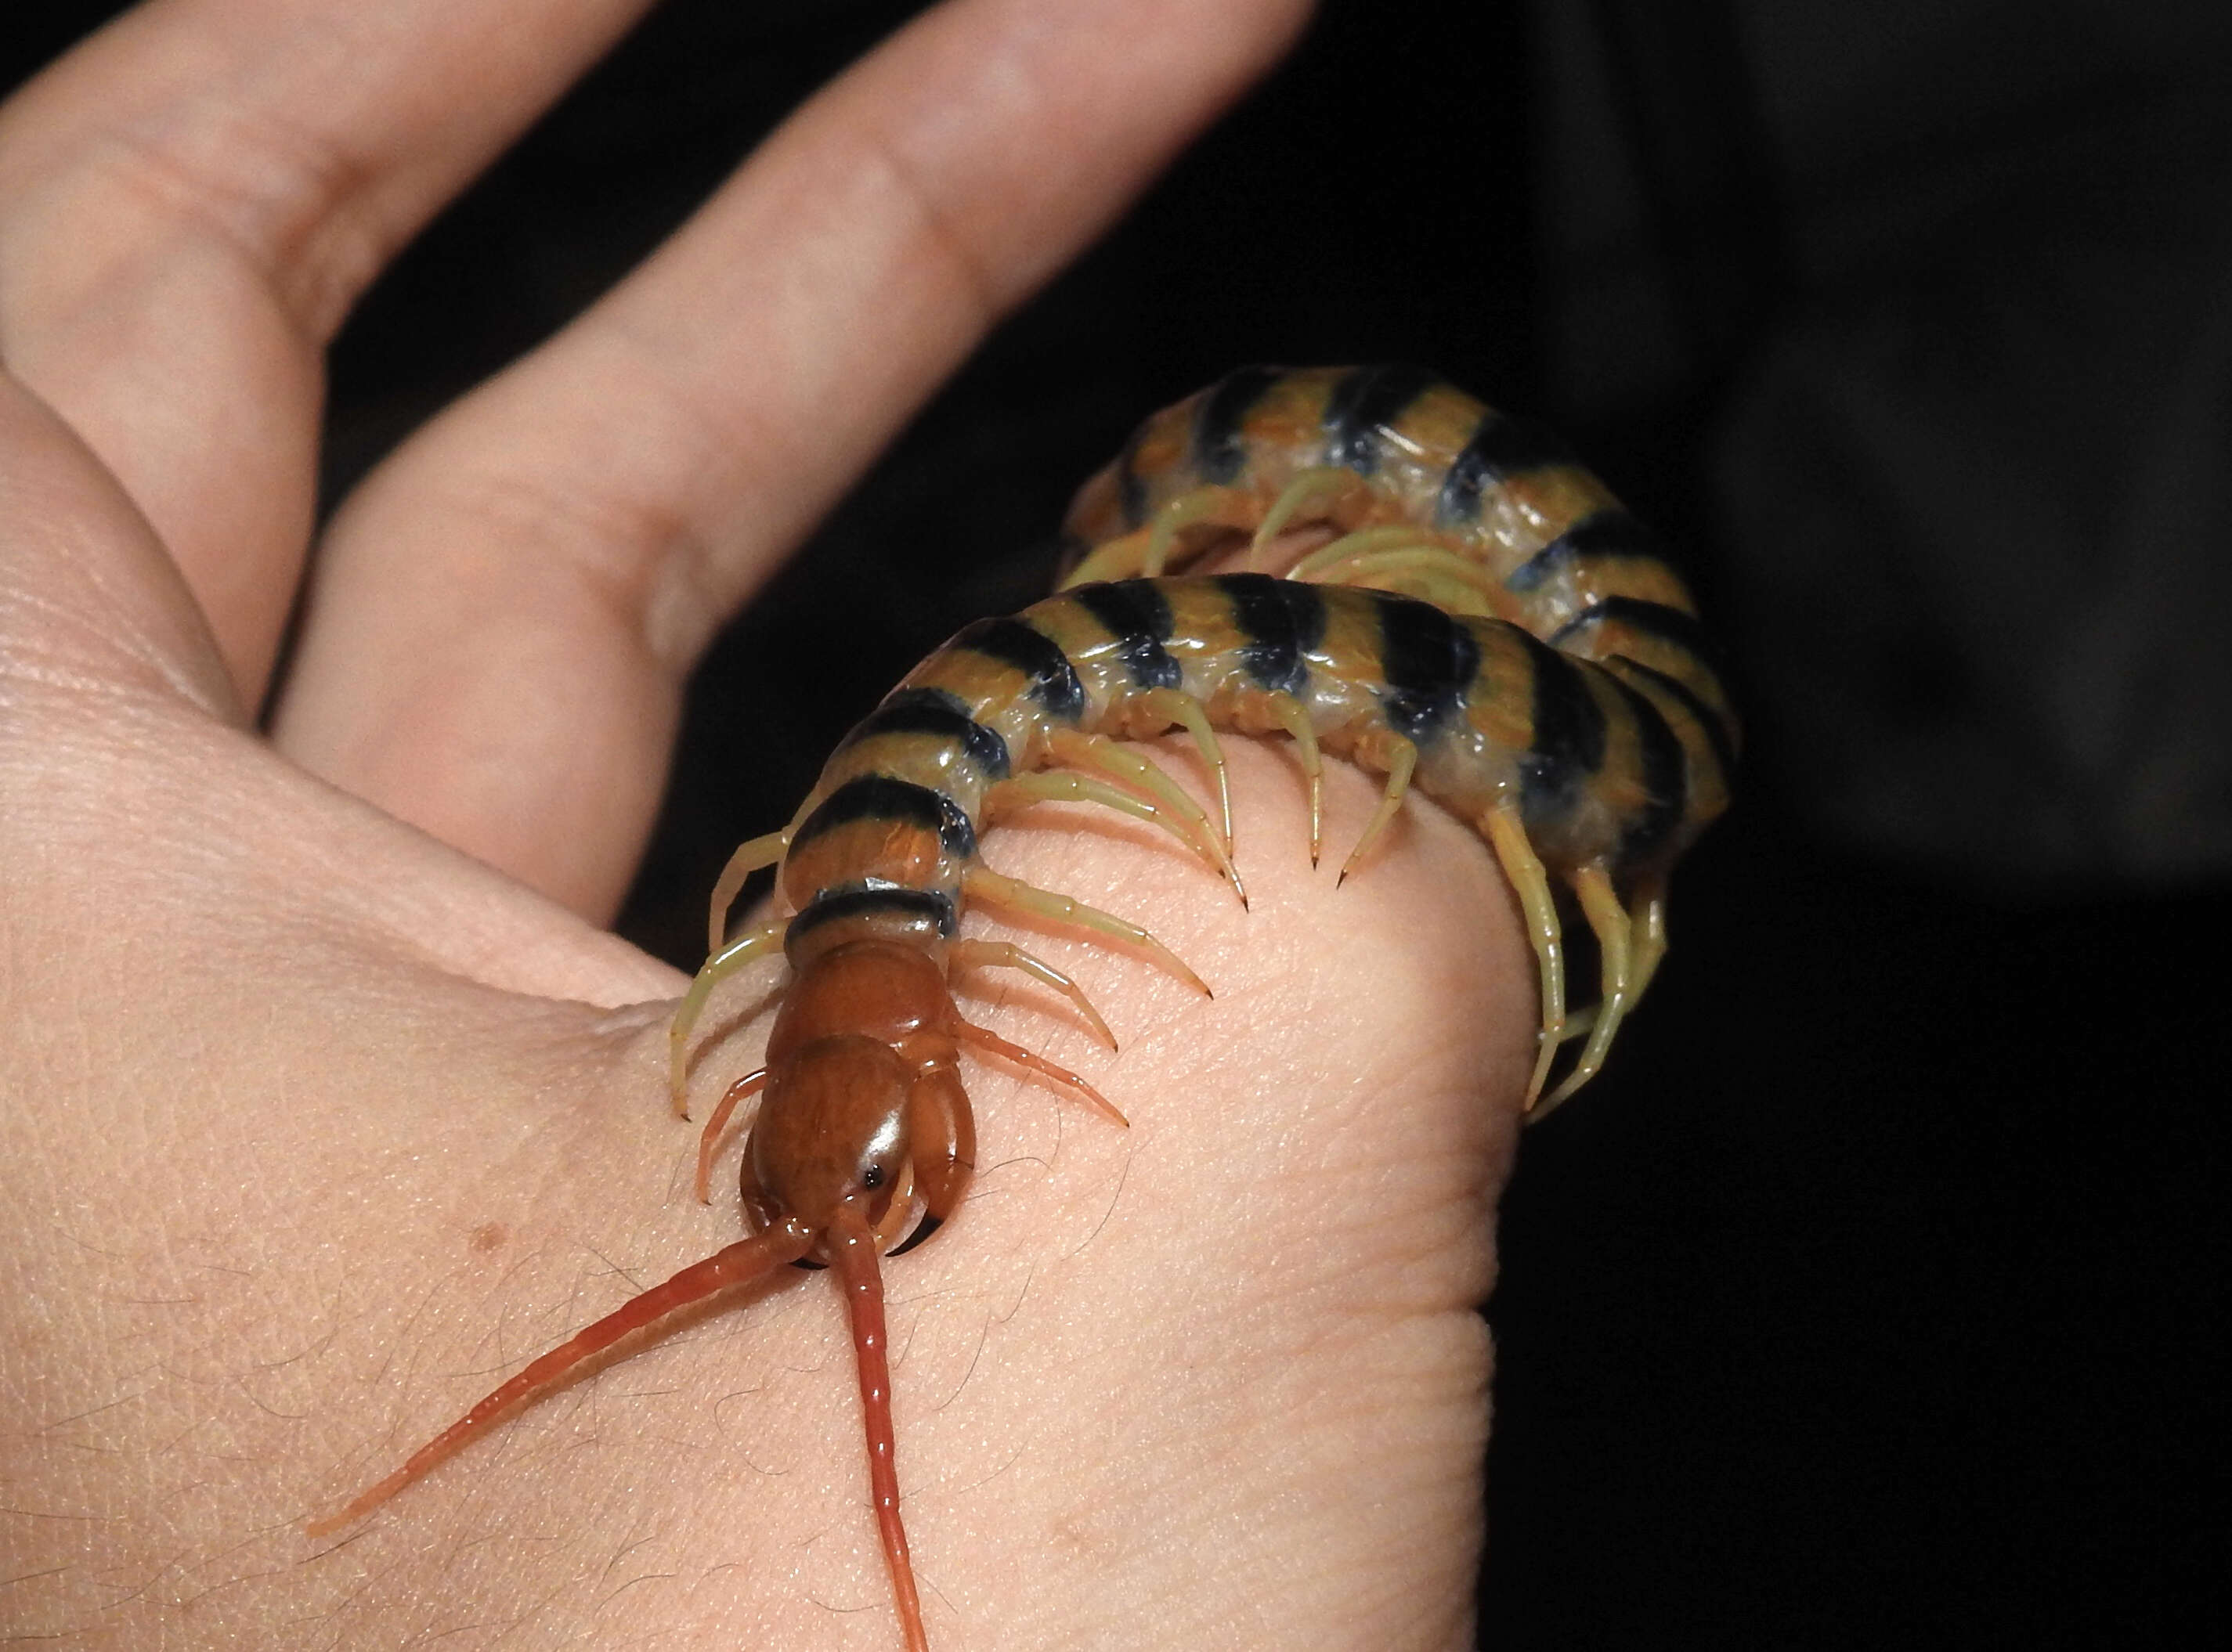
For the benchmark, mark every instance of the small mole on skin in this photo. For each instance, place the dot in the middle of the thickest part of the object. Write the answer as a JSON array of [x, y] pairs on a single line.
[[487, 1236]]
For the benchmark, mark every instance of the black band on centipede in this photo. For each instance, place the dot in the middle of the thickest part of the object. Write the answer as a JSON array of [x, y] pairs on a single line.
[[935, 712], [1218, 452], [1568, 743], [1137, 615], [1428, 660], [1501, 448], [1604, 534], [1280, 621], [1364, 403], [1052, 680], [1665, 774], [1653, 619], [879, 797], [930, 903], [1714, 725]]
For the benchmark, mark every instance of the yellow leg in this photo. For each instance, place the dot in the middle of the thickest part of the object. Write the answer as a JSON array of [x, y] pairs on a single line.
[[1082, 750], [980, 882], [1060, 786], [1295, 718], [1319, 486], [1650, 928], [1211, 504], [1006, 955], [749, 859], [1191, 716], [1366, 541], [1609, 920], [1115, 558], [1507, 835], [1429, 560], [746, 949], [1403, 760]]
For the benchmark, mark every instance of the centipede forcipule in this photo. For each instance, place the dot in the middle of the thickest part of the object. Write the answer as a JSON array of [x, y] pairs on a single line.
[[1552, 695]]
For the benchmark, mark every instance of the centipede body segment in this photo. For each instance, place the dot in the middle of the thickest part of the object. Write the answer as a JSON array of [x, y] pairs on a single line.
[[1431, 590]]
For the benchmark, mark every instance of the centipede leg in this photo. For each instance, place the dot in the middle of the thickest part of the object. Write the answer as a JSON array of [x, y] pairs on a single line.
[[1310, 495], [1610, 922], [746, 949], [1115, 558], [984, 1038], [981, 882], [1191, 716], [1402, 760], [1649, 919], [1060, 786], [1212, 506], [1453, 583], [1507, 835], [1295, 718], [710, 1138], [1082, 750], [1006, 955], [1318, 564], [749, 858]]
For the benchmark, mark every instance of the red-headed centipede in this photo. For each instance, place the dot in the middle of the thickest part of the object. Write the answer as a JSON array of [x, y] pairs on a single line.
[[1462, 609]]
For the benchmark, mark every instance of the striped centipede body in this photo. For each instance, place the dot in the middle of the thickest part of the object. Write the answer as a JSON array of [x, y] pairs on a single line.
[[1461, 609]]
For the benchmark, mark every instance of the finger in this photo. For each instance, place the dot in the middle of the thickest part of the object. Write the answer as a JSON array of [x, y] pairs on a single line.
[[93, 615], [189, 205], [504, 613]]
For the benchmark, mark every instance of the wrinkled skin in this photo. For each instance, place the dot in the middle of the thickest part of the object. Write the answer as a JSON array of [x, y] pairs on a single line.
[[327, 1097]]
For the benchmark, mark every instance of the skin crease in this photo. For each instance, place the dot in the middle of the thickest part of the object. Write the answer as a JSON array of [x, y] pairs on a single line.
[[328, 1102]]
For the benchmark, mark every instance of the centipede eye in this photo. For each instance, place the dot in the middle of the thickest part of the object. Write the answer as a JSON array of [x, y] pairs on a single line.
[[873, 1177]]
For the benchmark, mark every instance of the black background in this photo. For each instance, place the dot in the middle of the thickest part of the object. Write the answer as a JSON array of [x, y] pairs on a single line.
[[1872, 1297]]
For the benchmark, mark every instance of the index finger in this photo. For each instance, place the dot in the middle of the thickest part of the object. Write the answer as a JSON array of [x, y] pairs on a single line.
[[505, 611], [190, 203]]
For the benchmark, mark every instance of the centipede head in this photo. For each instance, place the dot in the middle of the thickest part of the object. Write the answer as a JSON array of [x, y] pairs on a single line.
[[832, 1134]]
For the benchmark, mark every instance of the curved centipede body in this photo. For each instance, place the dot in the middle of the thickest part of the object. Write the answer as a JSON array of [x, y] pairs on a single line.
[[1459, 607]]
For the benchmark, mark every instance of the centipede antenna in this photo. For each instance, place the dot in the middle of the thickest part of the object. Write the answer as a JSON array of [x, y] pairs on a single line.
[[981, 882], [746, 1259], [1507, 835], [1402, 760], [853, 1252]]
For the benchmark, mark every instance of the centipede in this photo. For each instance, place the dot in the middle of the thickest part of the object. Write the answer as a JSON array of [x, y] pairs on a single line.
[[1408, 580]]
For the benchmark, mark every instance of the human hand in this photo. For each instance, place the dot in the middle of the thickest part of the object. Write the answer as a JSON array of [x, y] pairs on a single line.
[[327, 1101]]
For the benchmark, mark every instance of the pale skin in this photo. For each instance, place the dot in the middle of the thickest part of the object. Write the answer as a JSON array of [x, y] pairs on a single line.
[[328, 1101]]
